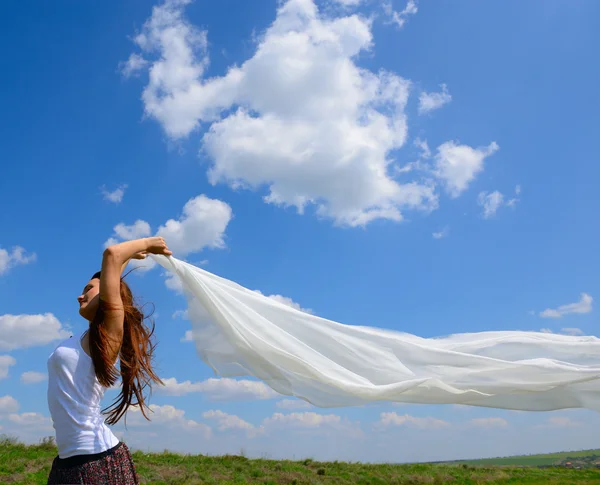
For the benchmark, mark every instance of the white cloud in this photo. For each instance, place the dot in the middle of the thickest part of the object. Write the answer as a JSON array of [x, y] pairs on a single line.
[[429, 102], [137, 230], [584, 305], [8, 405], [490, 203], [399, 18], [32, 377], [202, 225], [224, 389], [23, 331], [183, 314], [133, 65], [299, 117], [17, 257], [173, 283], [565, 331], [441, 234], [35, 420], [165, 419], [228, 422], [571, 331], [563, 422], [286, 301], [293, 404], [488, 422], [127, 232], [310, 422], [303, 420], [515, 200], [560, 422], [116, 196], [394, 419], [187, 337], [458, 165], [424, 147], [6, 361]]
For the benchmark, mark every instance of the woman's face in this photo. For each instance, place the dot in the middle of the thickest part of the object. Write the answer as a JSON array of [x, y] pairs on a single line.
[[89, 299]]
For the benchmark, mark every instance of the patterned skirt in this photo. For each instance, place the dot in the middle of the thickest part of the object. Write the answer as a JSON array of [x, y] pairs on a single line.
[[111, 467]]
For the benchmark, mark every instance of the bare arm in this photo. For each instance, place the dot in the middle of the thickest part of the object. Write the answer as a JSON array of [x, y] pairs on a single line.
[[114, 260]]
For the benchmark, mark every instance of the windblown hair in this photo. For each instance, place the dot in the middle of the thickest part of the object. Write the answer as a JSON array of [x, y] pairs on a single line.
[[135, 357]]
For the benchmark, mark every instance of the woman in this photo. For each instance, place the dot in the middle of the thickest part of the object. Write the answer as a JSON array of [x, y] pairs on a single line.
[[81, 368]]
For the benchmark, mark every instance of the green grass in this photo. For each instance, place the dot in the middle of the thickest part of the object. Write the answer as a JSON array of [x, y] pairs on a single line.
[[532, 460], [21, 464]]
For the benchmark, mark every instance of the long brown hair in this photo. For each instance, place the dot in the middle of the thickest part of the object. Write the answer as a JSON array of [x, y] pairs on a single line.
[[135, 357]]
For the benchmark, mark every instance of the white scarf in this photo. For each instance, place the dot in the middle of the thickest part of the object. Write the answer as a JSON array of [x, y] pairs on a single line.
[[239, 332]]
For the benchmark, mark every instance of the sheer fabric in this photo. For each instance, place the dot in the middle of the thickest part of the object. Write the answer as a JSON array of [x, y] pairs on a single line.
[[239, 332]]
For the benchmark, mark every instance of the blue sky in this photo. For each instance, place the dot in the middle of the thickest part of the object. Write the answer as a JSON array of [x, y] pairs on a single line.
[[429, 167]]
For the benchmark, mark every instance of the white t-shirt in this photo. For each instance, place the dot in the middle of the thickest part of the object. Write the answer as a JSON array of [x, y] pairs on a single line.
[[74, 396]]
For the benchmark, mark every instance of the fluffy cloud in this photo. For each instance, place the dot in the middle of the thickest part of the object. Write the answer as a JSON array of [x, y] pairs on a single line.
[[458, 165], [8, 405], [226, 421], [565, 331], [229, 422], [188, 336], [16, 257], [560, 422], [584, 305], [202, 225], [133, 65], [225, 389], [399, 18], [165, 419], [571, 331], [349, 3], [431, 101], [22, 331], [393, 419], [302, 420], [293, 404], [286, 301], [441, 234], [515, 200], [6, 361], [490, 203], [35, 420], [127, 232], [116, 196], [173, 283], [488, 422], [311, 422], [32, 377], [299, 118], [136, 230]]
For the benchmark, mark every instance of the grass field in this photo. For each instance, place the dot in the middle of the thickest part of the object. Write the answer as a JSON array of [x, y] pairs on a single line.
[[21, 464], [531, 460]]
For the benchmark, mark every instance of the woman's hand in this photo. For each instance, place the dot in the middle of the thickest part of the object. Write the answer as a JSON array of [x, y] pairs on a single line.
[[155, 245]]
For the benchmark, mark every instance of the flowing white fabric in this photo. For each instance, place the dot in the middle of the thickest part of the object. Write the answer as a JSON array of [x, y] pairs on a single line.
[[239, 332]]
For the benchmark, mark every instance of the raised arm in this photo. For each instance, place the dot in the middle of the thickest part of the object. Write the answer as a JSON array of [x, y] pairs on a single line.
[[114, 260]]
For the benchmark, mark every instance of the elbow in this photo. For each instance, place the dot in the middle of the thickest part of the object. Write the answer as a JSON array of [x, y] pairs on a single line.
[[111, 253]]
